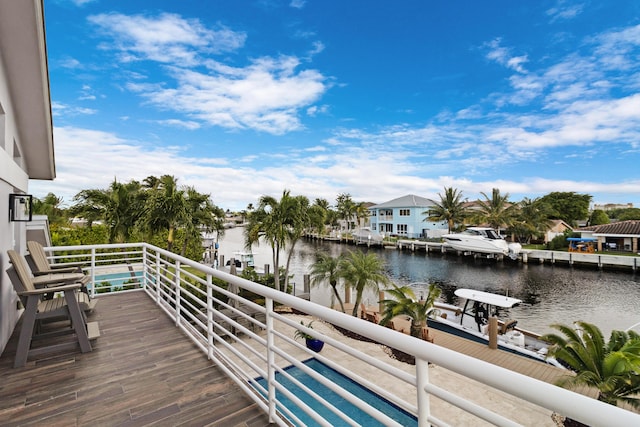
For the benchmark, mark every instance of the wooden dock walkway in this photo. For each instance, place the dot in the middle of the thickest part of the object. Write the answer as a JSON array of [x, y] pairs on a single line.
[[505, 359]]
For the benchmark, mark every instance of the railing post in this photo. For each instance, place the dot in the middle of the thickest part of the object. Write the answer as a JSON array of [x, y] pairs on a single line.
[[210, 316], [144, 268], [422, 379], [93, 272], [157, 276], [271, 372], [176, 283]]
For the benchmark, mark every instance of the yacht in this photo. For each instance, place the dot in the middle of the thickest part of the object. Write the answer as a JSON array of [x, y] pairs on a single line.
[[482, 240], [367, 235]]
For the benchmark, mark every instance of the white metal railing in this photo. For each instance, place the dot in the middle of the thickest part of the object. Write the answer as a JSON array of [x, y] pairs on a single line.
[[248, 341]]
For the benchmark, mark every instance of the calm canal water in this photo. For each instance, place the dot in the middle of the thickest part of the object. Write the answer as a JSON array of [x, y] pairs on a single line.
[[550, 294]]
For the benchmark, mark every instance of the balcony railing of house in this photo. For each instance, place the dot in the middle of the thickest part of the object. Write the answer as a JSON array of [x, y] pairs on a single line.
[[246, 341]]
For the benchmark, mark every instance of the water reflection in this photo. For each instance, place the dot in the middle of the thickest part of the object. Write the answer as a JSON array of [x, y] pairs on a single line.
[[549, 294]]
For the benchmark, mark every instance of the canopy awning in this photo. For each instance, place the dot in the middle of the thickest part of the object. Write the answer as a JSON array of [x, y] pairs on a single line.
[[488, 298]]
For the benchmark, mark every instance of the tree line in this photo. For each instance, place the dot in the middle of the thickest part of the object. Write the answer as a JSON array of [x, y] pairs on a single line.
[[527, 219], [156, 210], [159, 211]]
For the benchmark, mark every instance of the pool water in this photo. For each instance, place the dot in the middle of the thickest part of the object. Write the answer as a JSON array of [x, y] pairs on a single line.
[[119, 279], [373, 399]]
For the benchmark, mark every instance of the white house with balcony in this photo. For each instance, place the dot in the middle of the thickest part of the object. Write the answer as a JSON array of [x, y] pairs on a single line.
[[405, 217], [26, 134]]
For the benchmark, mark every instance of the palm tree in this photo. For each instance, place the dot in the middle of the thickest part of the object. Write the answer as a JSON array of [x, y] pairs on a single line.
[[281, 224], [327, 268], [51, 206], [532, 219], [362, 271], [404, 302], [298, 212], [317, 218], [361, 212], [320, 215], [346, 208], [202, 215], [612, 368], [496, 211], [118, 205], [166, 207], [451, 208]]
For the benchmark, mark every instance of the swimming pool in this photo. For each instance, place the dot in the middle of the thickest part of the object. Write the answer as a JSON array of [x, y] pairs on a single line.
[[119, 279], [373, 399]]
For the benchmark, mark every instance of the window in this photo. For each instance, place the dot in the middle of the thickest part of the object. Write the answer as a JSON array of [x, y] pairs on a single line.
[[402, 229], [405, 212]]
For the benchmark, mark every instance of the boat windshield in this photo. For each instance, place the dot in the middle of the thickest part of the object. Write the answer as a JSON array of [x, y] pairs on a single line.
[[492, 234], [484, 232]]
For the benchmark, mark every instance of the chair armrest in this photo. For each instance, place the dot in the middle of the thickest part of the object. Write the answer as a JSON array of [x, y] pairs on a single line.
[[52, 289], [57, 278], [60, 270]]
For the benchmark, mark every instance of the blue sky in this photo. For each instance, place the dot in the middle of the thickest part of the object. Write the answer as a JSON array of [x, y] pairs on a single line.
[[377, 99]]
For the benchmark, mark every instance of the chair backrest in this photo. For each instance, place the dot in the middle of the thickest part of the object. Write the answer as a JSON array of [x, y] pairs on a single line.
[[38, 256], [22, 269], [17, 284]]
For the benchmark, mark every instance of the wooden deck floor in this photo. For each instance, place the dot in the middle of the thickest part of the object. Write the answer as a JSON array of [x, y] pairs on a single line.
[[142, 371]]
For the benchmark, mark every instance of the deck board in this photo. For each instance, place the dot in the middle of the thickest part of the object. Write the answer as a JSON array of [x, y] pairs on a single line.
[[142, 371]]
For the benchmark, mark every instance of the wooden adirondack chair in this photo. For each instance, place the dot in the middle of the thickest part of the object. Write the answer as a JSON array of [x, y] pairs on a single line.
[[40, 263], [38, 310]]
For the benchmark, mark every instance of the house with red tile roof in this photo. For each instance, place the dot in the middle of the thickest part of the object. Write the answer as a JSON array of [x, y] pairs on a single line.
[[622, 235]]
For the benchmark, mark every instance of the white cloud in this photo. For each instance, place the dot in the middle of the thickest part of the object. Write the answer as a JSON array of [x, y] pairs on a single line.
[[70, 63], [80, 3], [167, 38], [503, 56], [298, 4], [264, 96], [314, 110], [186, 124], [317, 47], [321, 171], [59, 109], [565, 11]]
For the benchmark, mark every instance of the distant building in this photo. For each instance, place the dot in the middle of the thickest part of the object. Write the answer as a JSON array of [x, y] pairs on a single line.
[[405, 217], [612, 206], [557, 227], [622, 235]]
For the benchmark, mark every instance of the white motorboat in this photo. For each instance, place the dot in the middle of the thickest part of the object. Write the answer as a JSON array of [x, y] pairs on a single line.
[[241, 260], [472, 320], [367, 235], [482, 240]]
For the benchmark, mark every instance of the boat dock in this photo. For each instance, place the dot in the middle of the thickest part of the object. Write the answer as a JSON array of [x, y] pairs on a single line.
[[596, 259], [517, 363]]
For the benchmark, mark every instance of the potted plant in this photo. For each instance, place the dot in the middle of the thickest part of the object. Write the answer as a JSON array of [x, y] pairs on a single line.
[[311, 342]]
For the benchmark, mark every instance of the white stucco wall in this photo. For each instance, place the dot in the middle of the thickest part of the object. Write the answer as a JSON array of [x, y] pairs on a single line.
[[13, 179]]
